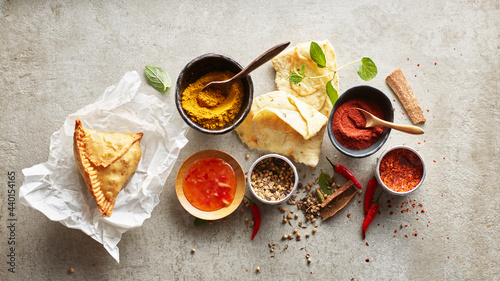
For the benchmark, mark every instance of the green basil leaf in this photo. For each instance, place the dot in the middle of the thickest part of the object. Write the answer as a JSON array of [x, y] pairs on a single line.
[[199, 222], [367, 70], [158, 78], [331, 92], [323, 182], [317, 55], [295, 77]]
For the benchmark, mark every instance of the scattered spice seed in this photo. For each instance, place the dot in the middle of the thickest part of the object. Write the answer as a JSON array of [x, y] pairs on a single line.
[[258, 269], [367, 260], [71, 270], [193, 250]]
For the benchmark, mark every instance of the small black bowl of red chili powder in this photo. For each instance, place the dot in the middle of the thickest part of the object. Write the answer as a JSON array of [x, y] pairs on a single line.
[[400, 170], [346, 126]]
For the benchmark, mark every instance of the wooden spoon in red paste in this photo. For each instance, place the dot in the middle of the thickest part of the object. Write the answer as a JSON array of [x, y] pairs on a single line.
[[372, 121]]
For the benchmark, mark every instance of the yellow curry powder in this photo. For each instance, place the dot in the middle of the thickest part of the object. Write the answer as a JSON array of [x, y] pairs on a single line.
[[212, 110]]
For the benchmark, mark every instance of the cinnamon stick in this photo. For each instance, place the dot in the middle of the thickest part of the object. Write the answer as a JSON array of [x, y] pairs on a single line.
[[398, 83], [338, 200]]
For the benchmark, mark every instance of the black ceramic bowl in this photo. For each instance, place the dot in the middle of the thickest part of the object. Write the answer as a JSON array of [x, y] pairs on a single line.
[[371, 94], [202, 65]]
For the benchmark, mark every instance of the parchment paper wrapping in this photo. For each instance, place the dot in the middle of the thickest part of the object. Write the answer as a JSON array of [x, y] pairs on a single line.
[[56, 188]]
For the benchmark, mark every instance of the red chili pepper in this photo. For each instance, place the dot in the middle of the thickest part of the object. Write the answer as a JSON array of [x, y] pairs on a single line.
[[372, 212], [256, 217], [343, 171], [370, 191]]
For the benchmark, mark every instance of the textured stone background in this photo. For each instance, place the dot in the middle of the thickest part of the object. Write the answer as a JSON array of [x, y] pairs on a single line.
[[58, 56]]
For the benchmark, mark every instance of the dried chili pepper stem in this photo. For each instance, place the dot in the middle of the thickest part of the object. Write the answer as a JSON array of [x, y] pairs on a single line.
[[372, 212], [343, 171], [370, 191], [256, 217]]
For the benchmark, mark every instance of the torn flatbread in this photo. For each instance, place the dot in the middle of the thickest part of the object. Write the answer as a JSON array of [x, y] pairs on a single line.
[[284, 124], [311, 91]]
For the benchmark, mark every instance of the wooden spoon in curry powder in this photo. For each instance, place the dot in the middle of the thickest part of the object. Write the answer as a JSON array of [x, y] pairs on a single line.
[[223, 86]]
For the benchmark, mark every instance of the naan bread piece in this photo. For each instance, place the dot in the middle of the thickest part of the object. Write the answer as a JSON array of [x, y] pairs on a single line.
[[311, 91], [277, 99], [105, 161], [275, 135], [283, 124], [314, 119]]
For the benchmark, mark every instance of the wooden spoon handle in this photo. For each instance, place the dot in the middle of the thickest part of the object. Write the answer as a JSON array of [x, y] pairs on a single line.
[[265, 57], [403, 128]]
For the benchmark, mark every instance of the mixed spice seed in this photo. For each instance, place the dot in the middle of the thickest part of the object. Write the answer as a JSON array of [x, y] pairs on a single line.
[[272, 179]]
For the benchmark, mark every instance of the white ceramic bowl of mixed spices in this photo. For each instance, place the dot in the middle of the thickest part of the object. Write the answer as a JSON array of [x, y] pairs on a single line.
[[272, 179]]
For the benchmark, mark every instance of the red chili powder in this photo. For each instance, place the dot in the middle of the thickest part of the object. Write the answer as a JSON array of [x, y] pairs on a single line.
[[401, 170], [349, 124]]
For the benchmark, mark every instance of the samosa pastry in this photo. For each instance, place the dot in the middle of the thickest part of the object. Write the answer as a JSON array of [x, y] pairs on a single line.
[[105, 161]]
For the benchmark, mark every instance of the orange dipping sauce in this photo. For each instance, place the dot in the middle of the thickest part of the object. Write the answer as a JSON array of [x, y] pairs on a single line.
[[210, 184]]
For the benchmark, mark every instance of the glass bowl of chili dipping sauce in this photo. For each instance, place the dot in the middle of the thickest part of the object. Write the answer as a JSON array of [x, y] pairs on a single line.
[[400, 170], [210, 184], [346, 123], [211, 111], [272, 179]]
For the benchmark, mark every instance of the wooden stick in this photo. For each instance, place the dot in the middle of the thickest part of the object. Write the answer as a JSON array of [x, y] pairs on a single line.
[[398, 83]]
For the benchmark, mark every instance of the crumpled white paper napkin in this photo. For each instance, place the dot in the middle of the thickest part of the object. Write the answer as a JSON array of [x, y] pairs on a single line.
[[56, 188]]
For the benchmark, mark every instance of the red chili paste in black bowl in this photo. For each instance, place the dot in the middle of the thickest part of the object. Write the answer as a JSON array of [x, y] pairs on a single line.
[[346, 124]]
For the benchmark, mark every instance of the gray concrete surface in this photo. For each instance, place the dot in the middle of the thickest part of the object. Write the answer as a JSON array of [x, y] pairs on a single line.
[[58, 56]]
